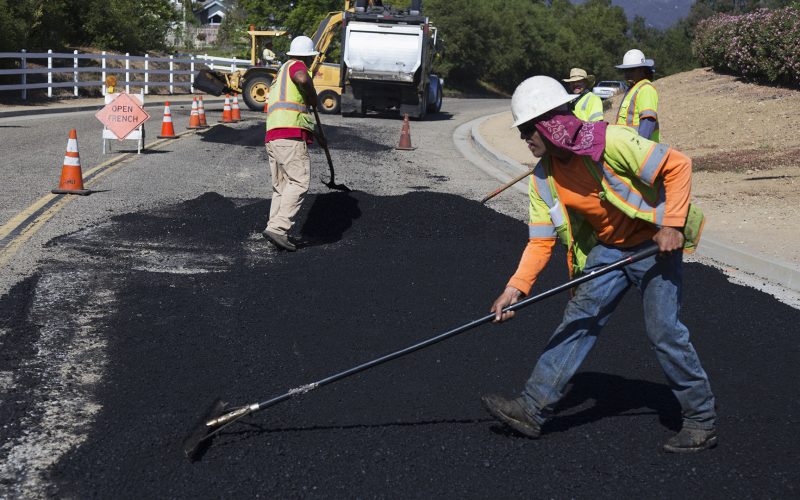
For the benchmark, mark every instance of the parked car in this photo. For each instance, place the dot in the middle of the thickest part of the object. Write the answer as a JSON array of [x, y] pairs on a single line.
[[609, 88]]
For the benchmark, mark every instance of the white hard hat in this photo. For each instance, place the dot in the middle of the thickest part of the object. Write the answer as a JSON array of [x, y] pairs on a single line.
[[536, 96], [302, 46], [634, 58]]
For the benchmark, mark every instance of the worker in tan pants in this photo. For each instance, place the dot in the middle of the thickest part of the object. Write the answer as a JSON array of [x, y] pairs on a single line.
[[289, 166], [290, 129]]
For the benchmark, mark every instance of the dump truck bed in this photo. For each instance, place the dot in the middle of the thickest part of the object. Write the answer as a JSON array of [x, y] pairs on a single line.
[[388, 52]]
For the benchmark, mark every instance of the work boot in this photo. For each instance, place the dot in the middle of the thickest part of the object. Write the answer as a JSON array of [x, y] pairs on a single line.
[[691, 440], [279, 240], [513, 414]]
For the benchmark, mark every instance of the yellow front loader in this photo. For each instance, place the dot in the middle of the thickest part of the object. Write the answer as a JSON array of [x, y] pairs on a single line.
[[253, 82]]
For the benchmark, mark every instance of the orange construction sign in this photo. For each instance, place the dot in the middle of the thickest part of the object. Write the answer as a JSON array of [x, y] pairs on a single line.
[[122, 116]]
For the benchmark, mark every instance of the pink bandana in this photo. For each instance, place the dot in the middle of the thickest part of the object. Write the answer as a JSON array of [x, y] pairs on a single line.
[[566, 131]]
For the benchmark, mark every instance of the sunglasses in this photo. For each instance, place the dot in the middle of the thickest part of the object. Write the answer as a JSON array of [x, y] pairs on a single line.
[[529, 127]]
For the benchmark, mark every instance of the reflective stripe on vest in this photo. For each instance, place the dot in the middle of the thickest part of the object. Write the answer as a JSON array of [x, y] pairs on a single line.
[[539, 179], [631, 115], [622, 195], [580, 106], [651, 166], [286, 108]]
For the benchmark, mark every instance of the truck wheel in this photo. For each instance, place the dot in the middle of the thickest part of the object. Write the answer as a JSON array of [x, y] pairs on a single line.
[[256, 91], [329, 102], [435, 95]]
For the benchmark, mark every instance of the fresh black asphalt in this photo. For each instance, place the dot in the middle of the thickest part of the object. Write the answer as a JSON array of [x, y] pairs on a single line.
[[376, 274]]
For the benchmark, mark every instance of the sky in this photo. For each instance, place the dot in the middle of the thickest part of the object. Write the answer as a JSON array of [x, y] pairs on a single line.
[[658, 13]]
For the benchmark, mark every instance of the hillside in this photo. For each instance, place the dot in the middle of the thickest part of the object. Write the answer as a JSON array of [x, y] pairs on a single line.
[[745, 152], [746, 156]]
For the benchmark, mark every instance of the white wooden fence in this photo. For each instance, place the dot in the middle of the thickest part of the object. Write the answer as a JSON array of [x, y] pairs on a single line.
[[136, 75]]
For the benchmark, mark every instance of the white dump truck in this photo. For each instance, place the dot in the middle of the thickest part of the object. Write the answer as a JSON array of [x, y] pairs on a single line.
[[386, 61]]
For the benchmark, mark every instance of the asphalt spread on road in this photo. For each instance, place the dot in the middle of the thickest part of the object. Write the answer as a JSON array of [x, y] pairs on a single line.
[[205, 308]]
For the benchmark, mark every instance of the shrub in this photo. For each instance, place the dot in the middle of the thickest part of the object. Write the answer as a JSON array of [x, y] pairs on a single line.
[[763, 45]]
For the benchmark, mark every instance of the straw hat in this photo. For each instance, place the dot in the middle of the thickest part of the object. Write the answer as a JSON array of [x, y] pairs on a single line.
[[578, 74]]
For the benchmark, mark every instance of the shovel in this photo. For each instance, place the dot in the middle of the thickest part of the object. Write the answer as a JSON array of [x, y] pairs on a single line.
[[332, 183], [219, 415]]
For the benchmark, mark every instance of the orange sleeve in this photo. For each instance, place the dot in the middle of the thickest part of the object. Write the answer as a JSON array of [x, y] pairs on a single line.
[[677, 175], [534, 258]]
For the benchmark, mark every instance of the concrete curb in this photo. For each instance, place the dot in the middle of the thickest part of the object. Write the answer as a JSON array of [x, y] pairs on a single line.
[[498, 165]]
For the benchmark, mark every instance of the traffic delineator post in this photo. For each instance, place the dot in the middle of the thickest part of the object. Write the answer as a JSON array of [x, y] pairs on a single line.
[[71, 176], [226, 110], [167, 129], [201, 112], [194, 118], [405, 135], [236, 114]]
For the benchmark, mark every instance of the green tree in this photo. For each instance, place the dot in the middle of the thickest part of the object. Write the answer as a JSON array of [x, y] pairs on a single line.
[[671, 48], [12, 28], [134, 26]]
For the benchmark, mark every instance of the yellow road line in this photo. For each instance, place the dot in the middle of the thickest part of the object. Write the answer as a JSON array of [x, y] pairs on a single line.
[[11, 249], [18, 221]]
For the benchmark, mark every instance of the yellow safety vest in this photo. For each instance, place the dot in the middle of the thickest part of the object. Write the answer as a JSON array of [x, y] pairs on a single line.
[[588, 108], [286, 107], [627, 175], [641, 101]]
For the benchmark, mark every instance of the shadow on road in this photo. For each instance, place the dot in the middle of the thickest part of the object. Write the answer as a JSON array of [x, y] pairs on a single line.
[[595, 396], [330, 215]]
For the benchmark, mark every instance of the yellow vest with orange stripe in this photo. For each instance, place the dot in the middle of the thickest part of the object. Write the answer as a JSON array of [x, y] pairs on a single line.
[[287, 108], [628, 178], [640, 101]]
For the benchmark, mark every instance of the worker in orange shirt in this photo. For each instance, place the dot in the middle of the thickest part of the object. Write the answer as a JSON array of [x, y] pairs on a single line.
[[605, 193]]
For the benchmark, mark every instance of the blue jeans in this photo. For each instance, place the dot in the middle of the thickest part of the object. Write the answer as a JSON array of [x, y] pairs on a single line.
[[659, 280]]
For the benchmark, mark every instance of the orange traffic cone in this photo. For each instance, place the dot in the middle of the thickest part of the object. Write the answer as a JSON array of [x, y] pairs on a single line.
[[405, 135], [226, 110], [201, 112], [71, 176], [236, 115], [167, 130], [266, 106], [194, 118]]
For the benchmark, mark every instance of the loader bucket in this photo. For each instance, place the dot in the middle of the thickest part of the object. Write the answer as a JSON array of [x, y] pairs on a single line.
[[210, 82]]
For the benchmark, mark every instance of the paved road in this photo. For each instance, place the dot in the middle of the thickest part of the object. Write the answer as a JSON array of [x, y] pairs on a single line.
[[129, 311]]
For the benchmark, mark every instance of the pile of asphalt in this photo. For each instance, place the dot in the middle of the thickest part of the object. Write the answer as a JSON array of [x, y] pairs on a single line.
[[206, 309]]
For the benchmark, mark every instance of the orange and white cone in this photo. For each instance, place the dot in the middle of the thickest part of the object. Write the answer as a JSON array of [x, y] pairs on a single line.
[[405, 135], [194, 118], [167, 130], [236, 115], [71, 176], [226, 110], [201, 111]]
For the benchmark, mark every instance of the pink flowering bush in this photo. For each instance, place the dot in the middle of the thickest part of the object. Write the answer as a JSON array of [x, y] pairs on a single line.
[[763, 45]]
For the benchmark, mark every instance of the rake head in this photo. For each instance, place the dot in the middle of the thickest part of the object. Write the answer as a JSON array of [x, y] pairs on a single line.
[[198, 441]]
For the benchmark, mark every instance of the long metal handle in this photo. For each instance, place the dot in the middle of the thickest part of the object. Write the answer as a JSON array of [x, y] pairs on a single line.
[[636, 257], [232, 416], [505, 186], [324, 142]]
